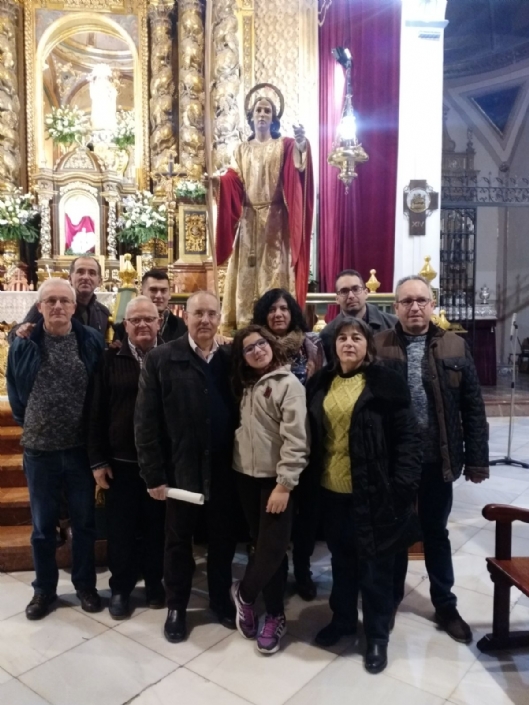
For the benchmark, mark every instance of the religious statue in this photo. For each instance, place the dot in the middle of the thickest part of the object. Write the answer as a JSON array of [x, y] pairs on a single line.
[[265, 206], [103, 94]]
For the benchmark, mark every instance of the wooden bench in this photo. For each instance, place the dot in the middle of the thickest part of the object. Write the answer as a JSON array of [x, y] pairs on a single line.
[[505, 571]]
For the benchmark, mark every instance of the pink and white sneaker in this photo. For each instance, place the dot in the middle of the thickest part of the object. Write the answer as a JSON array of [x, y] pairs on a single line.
[[245, 617], [273, 629]]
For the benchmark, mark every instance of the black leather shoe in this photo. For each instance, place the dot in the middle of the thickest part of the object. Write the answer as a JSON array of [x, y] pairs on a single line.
[[119, 607], [225, 616], [306, 587], [332, 633], [155, 596], [39, 606], [175, 628], [454, 625], [90, 600], [376, 657]]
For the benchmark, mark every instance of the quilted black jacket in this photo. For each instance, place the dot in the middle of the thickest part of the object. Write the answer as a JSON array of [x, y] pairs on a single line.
[[458, 401]]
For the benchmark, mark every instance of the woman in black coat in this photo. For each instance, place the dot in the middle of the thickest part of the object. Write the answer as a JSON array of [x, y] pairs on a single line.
[[366, 452]]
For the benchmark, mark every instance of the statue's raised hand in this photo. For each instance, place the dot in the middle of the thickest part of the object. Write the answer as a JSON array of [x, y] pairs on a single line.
[[299, 136]]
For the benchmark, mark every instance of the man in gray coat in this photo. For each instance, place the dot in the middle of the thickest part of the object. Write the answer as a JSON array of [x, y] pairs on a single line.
[[351, 297]]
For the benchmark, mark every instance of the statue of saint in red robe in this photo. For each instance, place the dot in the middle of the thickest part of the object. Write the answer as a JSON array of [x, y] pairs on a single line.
[[265, 207]]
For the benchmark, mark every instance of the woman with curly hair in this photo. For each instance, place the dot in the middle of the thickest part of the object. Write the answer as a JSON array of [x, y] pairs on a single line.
[[271, 451], [279, 312]]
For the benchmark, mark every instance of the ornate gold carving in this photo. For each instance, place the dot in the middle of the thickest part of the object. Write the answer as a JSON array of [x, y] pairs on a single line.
[[277, 53], [93, 16], [248, 52], [226, 82], [195, 236], [9, 100], [191, 86], [162, 140]]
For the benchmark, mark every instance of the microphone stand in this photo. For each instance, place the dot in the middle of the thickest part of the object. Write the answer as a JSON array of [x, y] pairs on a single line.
[[507, 460]]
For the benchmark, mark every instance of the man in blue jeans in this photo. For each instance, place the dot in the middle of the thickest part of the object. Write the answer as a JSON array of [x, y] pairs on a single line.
[[47, 379]]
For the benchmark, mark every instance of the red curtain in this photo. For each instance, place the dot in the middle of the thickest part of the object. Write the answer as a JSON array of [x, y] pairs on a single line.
[[357, 230], [71, 230]]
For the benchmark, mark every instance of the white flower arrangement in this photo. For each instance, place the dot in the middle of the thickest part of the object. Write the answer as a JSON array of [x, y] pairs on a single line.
[[142, 220], [191, 190], [65, 125], [124, 134], [17, 211]]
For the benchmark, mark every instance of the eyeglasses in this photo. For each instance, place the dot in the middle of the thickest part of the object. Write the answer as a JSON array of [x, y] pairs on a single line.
[[200, 314], [421, 302], [54, 300], [346, 290], [250, 349], [138, 320]]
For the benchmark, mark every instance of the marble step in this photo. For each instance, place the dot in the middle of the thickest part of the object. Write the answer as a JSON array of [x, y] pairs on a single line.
[[10, 440], [11, 471], [14, 506]]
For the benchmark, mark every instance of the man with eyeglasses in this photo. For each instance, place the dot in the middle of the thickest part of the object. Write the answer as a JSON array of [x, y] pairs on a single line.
[[155, 285], [135, 521], [448, 404], [351, 296], [48, 375], [85, 277], [185, 425]]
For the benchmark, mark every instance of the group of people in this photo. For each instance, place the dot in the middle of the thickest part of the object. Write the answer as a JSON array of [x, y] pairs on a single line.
[[358, 433]]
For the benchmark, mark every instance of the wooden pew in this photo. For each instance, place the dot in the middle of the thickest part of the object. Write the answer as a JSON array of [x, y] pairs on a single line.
[[505, 571]]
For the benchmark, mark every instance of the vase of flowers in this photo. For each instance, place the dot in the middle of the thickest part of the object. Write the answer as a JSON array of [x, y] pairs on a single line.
[[65, 125], [123, 136], [190, 192], [142, 223], [17, 216]]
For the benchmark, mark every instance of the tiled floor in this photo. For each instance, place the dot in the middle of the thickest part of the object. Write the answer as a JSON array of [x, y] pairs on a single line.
[[73, 658]]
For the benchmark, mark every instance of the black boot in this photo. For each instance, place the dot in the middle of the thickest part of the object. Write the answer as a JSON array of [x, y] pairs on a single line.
[[332, 633], [306, 587], [39, 606], [175, 629], [119, 606], [376, 657]]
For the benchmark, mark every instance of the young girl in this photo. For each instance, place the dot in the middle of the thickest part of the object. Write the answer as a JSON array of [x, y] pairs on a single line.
[[271, 450]]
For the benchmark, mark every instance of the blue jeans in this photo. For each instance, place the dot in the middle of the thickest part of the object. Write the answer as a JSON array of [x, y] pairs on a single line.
[[48, 473]]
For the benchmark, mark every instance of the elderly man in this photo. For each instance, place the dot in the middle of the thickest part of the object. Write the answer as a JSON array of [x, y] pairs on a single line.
[[447, 400], [85, 277], [155, 285], [351, 296], [135, 521], [47, 380], [185, 425]]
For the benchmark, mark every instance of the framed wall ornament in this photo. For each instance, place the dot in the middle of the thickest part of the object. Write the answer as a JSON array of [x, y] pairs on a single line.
[[420, 200]]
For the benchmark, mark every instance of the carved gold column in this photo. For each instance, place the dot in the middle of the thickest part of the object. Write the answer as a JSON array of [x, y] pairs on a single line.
[[162, 87], [9, 99], [191, 86], [226, 81]]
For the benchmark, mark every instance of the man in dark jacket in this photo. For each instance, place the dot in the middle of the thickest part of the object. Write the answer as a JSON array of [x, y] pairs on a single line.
[[85, 277], [447, 400], [351, 297], [47, 380], [155, 285], [135, 521], [185, 424]]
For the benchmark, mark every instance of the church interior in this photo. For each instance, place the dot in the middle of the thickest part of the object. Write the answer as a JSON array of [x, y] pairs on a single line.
[[112, 115]]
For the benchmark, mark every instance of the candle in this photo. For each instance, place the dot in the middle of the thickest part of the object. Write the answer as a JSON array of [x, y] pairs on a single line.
[[171, 165]]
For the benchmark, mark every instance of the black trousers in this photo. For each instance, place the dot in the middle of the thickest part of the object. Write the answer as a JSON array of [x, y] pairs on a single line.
[[306, 522], [222, 514], [271, 533], [434, 504], [351, 573], [135, 530]]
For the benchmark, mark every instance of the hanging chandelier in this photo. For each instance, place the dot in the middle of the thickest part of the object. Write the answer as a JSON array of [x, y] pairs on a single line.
[[346, 151]]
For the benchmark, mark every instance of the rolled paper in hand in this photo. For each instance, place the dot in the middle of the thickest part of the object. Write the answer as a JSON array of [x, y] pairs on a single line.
[[184, 495]]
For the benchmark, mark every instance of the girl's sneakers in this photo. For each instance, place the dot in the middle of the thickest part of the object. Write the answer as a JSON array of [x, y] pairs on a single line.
[[246, 617], [273, 629]]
